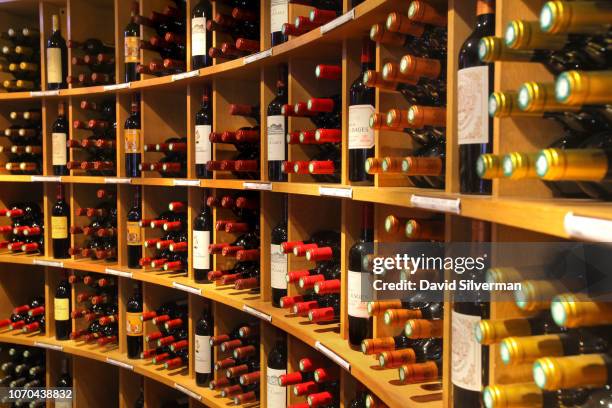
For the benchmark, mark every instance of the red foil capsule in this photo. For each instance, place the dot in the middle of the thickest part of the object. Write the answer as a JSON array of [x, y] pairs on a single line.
[[29, 328], [179, 247], [160, 358], [173, 266], [294, 276], [247, 255], [173, 226], [288, 167], [301, 167], [319, 254], [322, 375], [321, 105], [250, 378], [17, 325], [154, 336], [230, 345], [225, 363], [288, 246], [248, 283], [107, 340], [230, 250], [158, 263], [287, 302], [308, 282], [321, 167], [319, 399], [216, 248], [306, 365], [179, 345], [328, 135], [246, 165], [37, 311], [333, 72], [21, 309], [321, 315], [174, 363], [305, 388], [307, 137], [302, 308], [237, 227], [173, 323], [301, 250], [148, 315], [160, 319], [327, 287], [318, 16], [288, 379]]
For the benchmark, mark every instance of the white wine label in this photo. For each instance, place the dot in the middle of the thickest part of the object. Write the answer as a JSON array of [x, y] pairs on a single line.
[[198, 36], [473, 105], [277, 395], [466, 353], [61, 308], [201, 257], [58, 149], [357, 283], [279, 15], [54, 65], [202, 354], [278, 267], [276, 137], [361, 135], [132, 49], [203, 146]]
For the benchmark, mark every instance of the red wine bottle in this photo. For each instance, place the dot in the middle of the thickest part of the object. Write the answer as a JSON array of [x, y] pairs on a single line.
[[131, 35], [60, 219], [277, 129], [203, 128], [57, 57], [279, 15], [59, 137], [201, 38], [61, 310], [134, 323], [277, 367], [278, 258], [134, 233], [132, 140], [202, 235], [203, 349]]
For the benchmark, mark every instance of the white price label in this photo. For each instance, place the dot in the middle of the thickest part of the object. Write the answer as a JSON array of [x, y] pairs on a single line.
[[247, 185], [44, 93], [188, 183], [185, 75], [588, 228], [52, 179], [116, 180], [336, 192], [42, 262], [256, 313], [437, 204], [120, 364], [338, 21], [186, 288], [48, 346], [187, 391], [257, 56], [333, 356], [119, 273], [116, 87]]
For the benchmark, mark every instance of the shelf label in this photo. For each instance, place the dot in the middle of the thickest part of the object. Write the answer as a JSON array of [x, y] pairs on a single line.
[[119, 364], [257, 56], [336, 192], [338, 21], [588, 228], [248, 185], [186, 288], [55, 92], [53, 179], [437, 204], [333, 356], [115, 272], [116, 87], [187, 392], [185, 75], [116, 180], [48, 346], [42, 262], [256, 313], [189, 183]]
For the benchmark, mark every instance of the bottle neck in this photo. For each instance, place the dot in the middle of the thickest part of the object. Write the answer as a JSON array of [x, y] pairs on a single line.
[[137, 198], [55, 23], [485, 13], [367, 229]]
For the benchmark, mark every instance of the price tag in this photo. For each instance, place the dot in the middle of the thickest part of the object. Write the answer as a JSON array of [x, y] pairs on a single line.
[[247, 185], [115, 180], [588, 228], [48, 346], [186, 288], [437, 204], [44, 93], [118, 273], [187, 392], [54, 179], [336, 192], [116, 87], [338, 21], [333, 356], [257, 56], [42, 262], [119, 364], [189, 183], [185, 75], [256, 313]]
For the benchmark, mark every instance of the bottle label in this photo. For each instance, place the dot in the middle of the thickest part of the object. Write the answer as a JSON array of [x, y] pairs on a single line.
[[357, 284], [203, 363], [58, 149], [201, 257], [278, 269], [61, 309], [62, 403], [279, 15], [132, 140], [132, 49], [198, 36], [54, 66], [276, 137], [59, 227], [134, 233], [466, 353], [472, 102], [203, 146], [133, 324], [277, 395], [361, 135]]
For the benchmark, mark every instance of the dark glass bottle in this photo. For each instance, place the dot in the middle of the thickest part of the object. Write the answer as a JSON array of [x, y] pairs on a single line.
[[277, 366], [279, 15], [61, 310], [134, 232], [65, 380], [203, 349], [475, 83], [59, 136], [278, 259], [60, 220], [201, 38], [132, 140], [361, 107], [203, 128], [277, 129], [57, 57], [202, 234], [134, 323], [131, 35]]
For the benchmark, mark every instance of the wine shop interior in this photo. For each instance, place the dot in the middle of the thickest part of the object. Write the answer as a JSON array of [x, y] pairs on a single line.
[[204, 203]]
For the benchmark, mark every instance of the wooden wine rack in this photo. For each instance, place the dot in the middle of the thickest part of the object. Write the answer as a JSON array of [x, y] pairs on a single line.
[[520, 211]]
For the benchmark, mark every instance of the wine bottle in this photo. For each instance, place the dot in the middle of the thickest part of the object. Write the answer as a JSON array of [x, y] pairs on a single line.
[[64, 381], [59, 136], [361, 107], [134, 323], [203, 349], [203, 128], [60, 219], [132, 139], [277, 127], [579, 88], [57, 57], [521, 395], [279, 15], [131, 35], [134, 233], [493, 331], [201, 38], [202, 234], [575, 18], [475, 79], [277, 367], [61, 310], [554, 373], [278, 259]]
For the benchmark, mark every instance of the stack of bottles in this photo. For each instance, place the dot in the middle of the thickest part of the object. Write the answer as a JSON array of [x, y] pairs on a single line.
[[27, 318], [245, 164], [96, 153], [168, 345], [20, 58], [93, 63], [238, 374], [414, 229], [26, 230], [99, 236], [22, 367], [171, 247], [174, 161], [24, 151], [96, 310], [245, 248], [570, 41], [166, 40], [417, 351], [237, 29], [420, 76], [316, 382], [319, 297], [323, 11]]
